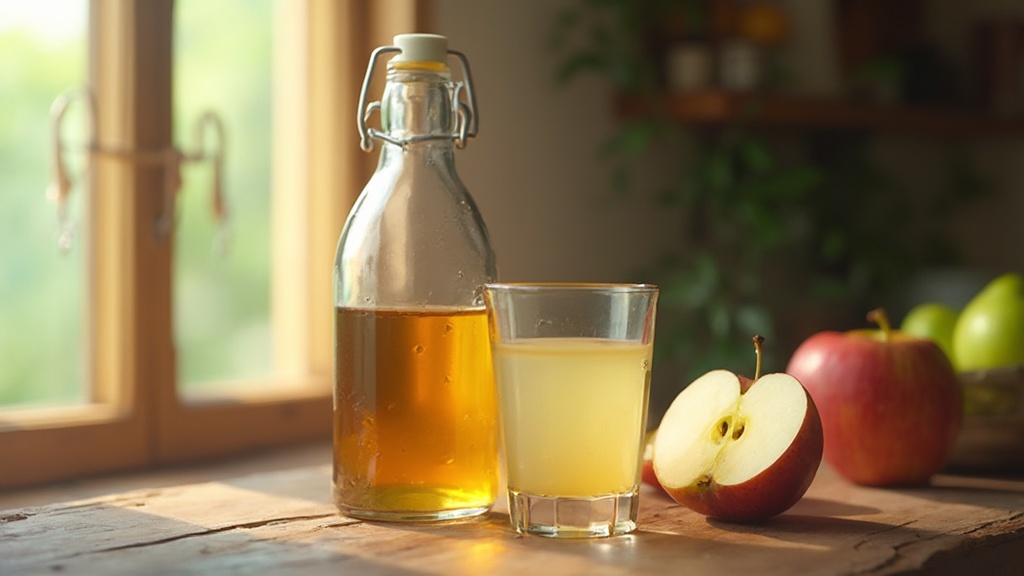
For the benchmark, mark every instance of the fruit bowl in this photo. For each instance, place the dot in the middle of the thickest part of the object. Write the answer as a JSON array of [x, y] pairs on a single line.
[[992, 436]]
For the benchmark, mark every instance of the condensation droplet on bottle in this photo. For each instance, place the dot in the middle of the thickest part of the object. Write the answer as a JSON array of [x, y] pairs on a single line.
[[448, 327], [460, 274], [447, 380], [367, 422], [449, 458], [392, 406], [418, 349]]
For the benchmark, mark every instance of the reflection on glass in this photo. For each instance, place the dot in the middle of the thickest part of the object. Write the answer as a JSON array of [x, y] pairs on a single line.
[[42, 291], [222, 62]]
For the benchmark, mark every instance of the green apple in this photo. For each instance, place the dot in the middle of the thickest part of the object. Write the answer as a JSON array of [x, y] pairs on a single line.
[[932, 320], [990, 330]]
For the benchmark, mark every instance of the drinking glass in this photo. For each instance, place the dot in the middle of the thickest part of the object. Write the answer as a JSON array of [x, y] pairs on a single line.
[[572, 363]]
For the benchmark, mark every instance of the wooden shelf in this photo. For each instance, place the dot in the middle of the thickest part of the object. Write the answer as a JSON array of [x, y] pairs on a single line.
[[710, 108]]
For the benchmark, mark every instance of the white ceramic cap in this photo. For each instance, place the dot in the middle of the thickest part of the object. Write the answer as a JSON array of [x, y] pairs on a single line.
[[421, 48]]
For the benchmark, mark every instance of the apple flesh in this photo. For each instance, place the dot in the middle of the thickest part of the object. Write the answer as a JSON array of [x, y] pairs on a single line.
[[739, 450], [890, 403]]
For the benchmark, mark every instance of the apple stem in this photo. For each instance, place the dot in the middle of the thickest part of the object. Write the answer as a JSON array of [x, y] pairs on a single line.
[[878, 316], [758, 340]]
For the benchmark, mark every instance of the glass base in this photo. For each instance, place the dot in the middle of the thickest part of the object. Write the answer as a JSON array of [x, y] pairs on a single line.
[[404, 503], [564, 517]]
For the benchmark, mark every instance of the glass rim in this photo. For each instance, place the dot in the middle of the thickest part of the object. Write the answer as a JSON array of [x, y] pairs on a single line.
[[537, 287]]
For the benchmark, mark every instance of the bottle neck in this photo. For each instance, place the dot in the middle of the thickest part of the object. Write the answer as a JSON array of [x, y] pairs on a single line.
[[418, 105]]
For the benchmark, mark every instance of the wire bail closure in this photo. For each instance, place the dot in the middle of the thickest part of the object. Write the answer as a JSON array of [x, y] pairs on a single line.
[[466, 127], [169, 158]]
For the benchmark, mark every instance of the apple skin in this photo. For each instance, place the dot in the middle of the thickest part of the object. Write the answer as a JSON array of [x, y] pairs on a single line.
[[932, 320], [770, 493], [990, 330], [647, 475], [890, 409]]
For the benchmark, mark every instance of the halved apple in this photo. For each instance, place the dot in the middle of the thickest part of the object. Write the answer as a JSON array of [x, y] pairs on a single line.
[[739, 450]]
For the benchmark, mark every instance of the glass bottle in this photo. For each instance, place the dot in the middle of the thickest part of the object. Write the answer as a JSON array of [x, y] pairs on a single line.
[[414, 404]]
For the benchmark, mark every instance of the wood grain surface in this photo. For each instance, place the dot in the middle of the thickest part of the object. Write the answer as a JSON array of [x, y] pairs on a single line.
[[284, 522]]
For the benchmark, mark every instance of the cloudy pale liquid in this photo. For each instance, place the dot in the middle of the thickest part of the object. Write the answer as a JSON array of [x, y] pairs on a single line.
[[574, 413], [414, 413]]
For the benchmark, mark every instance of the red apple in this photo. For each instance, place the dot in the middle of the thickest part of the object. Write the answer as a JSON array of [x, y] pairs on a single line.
[[737, 449], [647, 475], [890, 403]]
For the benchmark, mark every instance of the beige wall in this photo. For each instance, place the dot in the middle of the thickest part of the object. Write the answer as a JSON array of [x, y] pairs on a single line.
[[533, 170]]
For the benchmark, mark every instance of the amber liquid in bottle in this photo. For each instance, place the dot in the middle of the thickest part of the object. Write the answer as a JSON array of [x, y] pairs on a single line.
[[415, 413]]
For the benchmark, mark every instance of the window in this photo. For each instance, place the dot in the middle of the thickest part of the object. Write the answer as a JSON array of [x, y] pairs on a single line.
[[142, 403], [222, 314], [41, 287]]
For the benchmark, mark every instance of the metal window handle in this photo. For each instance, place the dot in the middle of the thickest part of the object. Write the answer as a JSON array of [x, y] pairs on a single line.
[[169, 158]]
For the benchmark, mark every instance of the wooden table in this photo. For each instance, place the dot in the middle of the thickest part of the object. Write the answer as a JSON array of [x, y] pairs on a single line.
[[284, 522]]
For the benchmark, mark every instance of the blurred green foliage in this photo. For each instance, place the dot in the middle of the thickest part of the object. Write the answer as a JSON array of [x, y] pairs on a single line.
[[223, 62], [822, 226], [41, 290]]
